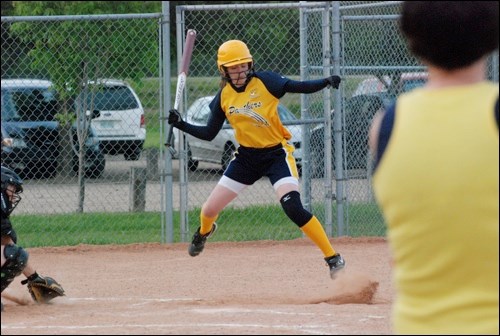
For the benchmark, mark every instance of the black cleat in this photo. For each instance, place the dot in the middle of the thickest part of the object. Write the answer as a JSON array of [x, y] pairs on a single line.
[[198, 242], [336, 263]]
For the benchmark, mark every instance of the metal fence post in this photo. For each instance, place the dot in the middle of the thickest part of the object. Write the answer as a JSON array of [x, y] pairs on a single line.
[[152, 162], [138, 177]]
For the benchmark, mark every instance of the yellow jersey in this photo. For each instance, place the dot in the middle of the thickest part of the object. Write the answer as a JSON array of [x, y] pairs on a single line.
[[437, 184]]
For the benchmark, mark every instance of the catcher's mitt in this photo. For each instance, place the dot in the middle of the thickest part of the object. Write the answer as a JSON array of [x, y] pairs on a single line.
[[43, 289]]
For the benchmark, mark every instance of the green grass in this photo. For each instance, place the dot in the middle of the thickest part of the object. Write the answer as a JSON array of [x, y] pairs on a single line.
[[153, 140], [91, 228], [127, 228]]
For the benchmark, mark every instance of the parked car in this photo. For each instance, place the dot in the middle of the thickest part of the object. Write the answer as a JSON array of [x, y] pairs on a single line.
[[121, 126], [29, 107], [371, 95], [220, 150], [389, 87]]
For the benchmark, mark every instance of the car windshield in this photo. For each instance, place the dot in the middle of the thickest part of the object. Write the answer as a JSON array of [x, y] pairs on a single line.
[[110, 98], [200, 111], [374, 85], [28, 104], [285, 115]]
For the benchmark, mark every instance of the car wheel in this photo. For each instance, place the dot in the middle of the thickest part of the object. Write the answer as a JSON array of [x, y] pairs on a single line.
[[227, 155], [49, 170], [192, 164], [359, 114], [133, 154], [96, 171]]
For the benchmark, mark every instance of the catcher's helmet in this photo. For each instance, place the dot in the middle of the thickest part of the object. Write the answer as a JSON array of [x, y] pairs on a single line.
[[9, 177], [232, 52]]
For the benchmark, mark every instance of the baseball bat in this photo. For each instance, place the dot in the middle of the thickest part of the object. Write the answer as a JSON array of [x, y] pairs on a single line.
[[181, 81]]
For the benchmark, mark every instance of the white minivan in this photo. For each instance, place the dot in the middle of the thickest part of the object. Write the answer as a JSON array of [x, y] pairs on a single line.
[[121, 126]]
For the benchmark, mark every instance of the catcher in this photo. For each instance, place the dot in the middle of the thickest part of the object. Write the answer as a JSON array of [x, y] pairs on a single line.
[[14, 257]]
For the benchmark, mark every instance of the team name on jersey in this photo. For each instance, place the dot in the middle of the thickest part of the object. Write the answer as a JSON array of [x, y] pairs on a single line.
[[247, 110]]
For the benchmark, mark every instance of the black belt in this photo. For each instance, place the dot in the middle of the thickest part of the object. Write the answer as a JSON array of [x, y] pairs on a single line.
[[262, 150]]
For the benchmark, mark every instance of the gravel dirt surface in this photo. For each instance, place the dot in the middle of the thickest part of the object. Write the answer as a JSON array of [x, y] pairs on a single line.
[[249, 288]]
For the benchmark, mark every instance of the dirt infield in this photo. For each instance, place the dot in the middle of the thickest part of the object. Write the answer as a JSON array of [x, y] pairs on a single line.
[[252, 288]]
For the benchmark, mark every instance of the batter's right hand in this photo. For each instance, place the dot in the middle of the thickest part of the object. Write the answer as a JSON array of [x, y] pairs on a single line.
[[174, 117]]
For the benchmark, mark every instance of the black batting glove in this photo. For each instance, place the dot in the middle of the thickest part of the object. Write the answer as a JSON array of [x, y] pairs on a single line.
[[333, 81], [174, 117]]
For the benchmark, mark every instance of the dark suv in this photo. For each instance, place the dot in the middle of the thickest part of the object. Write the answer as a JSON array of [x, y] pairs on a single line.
[[372, 94], [29, 107]]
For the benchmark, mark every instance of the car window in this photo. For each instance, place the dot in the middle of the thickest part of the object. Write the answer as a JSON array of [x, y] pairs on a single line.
[[201, 112], [111, 98], [285, 115], [372, 85], [9, 111], [29, 104], [409, 81]]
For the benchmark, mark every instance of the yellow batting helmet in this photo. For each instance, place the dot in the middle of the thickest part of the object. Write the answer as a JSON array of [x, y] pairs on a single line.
[[231, 53]]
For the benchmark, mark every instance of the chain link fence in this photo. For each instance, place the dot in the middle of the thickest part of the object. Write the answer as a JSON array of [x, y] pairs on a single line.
[[91, 140], [80, 105]]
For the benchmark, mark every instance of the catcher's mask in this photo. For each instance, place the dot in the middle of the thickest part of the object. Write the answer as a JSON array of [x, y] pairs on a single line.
[[233, 52], [10, 178]]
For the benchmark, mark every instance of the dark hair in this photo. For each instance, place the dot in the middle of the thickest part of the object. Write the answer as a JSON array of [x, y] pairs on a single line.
[[226, 79], [450, 34], [223, 82]]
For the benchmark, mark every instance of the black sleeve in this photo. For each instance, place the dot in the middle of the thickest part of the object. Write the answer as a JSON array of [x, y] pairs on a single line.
[[384, 134], [4, 205], [310, 86], [8, 230], [214, 123], [278, 85], [6, 225]]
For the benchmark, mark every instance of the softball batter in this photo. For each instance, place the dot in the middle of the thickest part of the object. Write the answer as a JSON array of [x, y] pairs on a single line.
[[249, 100]]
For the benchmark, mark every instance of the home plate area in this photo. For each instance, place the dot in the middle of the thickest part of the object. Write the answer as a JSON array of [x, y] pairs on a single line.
[[262, 287]]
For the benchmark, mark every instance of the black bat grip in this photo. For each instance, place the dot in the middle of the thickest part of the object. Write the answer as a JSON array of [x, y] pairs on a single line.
[[169, 140]]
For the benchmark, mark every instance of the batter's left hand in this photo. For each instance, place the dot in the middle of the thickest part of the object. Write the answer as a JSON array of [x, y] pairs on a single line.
[[334, 81]]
